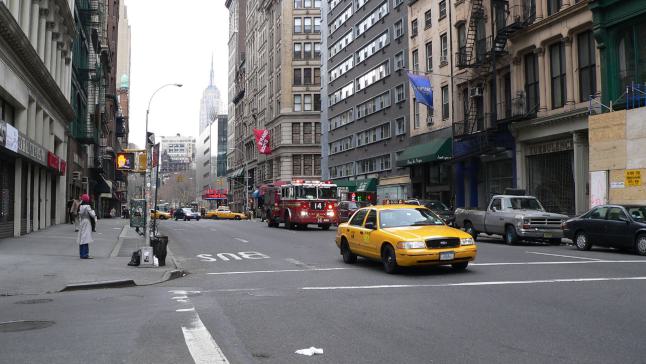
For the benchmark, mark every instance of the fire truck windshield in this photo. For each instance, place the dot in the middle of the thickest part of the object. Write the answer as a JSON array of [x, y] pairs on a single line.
[[327, 193], [308, 193]]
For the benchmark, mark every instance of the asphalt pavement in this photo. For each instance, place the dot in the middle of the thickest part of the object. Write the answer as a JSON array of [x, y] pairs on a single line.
[[258, 294]]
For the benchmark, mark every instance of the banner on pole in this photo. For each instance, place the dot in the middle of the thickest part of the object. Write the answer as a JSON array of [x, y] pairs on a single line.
[[155, 155], [422, 87], [262, 141]]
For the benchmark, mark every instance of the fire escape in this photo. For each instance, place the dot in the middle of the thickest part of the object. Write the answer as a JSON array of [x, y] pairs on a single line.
[[481, 54]]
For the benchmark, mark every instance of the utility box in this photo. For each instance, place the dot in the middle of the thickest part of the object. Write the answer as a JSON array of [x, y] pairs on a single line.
[[137, 213], [147, 258]]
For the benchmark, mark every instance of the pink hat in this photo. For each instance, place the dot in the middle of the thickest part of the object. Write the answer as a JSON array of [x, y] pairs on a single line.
[[85, 197]]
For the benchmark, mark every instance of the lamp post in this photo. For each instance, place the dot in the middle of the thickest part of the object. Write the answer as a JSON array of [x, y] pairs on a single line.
[[244, 165], [148, 160]]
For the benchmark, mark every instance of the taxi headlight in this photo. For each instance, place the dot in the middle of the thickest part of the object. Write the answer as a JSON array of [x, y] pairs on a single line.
[[467, 241], [411, 245]]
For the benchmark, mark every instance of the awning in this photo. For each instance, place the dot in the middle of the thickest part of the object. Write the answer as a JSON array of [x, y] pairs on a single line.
[[350, 185], [438, 149], [367, 185], [237, 173], [103, 186]]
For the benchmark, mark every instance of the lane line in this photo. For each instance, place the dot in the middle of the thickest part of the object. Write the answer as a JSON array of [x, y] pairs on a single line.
[[563, 256], [242, 240], [489, 283], [299, 263], [557, 263], [280, 271], [185, 309], [200, 343]]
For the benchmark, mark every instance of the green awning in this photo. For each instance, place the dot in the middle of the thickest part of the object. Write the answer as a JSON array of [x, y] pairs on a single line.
[[237, 173], [350, 185], [367, 185], [438, 149]]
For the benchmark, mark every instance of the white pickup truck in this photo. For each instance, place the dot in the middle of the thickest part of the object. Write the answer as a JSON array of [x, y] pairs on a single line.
[[515, 218]]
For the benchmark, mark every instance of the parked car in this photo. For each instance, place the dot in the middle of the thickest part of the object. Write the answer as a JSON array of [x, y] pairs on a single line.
[[617, 226], [185, 213], [347, 208], [161, 215], [438, 207], [223, 212], [403, 235], [515, 218]]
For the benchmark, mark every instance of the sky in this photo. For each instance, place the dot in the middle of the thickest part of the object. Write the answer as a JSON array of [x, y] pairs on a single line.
[[173, 43]]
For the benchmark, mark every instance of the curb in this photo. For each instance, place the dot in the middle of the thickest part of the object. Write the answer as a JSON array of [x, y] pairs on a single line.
[[175, 273], [98, 285]]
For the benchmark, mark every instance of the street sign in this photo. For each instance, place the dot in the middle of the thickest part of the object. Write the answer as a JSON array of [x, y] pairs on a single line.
[[633, 177], [143, 159], [150, 138]]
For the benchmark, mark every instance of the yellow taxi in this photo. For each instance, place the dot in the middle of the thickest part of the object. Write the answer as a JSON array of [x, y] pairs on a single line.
[[402, 236], [223, 212], [160, 215]]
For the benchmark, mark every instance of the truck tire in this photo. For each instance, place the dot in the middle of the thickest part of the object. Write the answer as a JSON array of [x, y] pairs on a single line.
[[468, 228], [511, 237]]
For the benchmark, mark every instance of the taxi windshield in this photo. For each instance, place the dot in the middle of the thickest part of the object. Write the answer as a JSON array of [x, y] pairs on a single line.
[[408, 217]]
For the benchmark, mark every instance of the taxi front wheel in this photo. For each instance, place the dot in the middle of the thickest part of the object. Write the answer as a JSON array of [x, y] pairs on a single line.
[[348, 256], [389, 259]]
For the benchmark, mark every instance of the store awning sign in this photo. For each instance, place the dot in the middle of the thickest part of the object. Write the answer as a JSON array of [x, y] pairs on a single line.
[[53, 161], [12, 138]]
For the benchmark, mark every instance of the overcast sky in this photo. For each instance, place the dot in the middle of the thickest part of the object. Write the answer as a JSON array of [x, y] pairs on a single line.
[[172, 42]]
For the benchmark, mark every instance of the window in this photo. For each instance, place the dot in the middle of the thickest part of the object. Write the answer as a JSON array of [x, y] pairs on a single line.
[[416, 114], [496, 205], [317, 50], [317, 164], [341, 44], [317, 102], [341, 69], [297, 169], [553, 6], [444, 52], [341, 94], [376, 164], [531, 83], [398, 28], [307, 102], [367, 23], [373, 76], [429, 57], [357, 218], [298, 25], [373, 135], [344, 118], [307, 133], [342, 145], [413, 28], [333, 4], [396, 3], [427, 19], [373, 47], [317, 133], [399, 60], [587, 66], [415, 60], [307, 25], [557, 73], [297, 103], [373, 105], [399, 93], [599, 213], [617, 214], [361, 3], [308, 164], [400, 126], [344, 170], [317, 76], [462, 44], [307, 50], [307, 76], [298, 4], [297, 77], [296, 133], [317, 25], [317, 4], [445, 102], [341, 19], [307, 3], [372, 218], [442, 9], [429, 115], [298, 48]]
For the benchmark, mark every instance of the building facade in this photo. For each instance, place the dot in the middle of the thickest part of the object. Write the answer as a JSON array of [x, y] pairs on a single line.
[[366, 96], [35, 112], [211, 163], [177, 154]]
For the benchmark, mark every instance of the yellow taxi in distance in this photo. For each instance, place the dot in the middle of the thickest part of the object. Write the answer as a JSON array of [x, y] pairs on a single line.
[[402, 236], [223, 212], [160, 215]]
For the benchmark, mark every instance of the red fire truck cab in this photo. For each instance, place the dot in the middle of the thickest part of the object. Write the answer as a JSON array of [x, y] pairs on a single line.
[[300, 203]]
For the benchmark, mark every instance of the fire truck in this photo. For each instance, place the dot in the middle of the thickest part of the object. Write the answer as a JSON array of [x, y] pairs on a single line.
[[300, 203]]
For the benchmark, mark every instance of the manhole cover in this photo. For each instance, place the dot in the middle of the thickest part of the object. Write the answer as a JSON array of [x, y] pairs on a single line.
[[15, 326], [38, 300]]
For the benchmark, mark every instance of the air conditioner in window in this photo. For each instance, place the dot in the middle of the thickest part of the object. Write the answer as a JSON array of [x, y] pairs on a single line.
[[84, 180], [76, 176], [475, 92]]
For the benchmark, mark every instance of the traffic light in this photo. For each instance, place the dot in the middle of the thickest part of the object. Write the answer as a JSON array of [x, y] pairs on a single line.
[[125, 161]]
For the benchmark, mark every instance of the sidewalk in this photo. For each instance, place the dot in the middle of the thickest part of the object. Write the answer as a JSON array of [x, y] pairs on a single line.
[[48, 261]]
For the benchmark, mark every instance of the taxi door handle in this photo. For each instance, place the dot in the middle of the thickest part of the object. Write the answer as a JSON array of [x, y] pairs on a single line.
[[360, 232]]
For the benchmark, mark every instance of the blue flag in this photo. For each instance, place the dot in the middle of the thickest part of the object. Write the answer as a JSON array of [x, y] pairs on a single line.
[[422, 87]]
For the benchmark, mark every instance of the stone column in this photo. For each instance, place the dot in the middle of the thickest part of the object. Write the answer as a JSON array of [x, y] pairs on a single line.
[[42, 34], [540, 9], [28, 192], [48, 199], [581, 172], [36, 197], [17, 200], [25, 16], [33, 32], [44, 140], [569, 74], [14, 7], [42, 222], [47, 56], [22, 119], [39, 125], [31, 120], [543, 84], [61, 187]]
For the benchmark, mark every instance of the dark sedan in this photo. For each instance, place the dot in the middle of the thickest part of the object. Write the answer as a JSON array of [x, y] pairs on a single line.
[[186, 214], [438, 208], [347, 208], [617, 226]]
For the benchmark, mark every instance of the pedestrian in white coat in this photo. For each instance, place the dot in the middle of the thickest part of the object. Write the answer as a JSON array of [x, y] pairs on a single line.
[[86, 216]]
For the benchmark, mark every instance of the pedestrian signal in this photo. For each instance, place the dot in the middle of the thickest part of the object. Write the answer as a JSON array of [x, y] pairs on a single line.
[[125, 161]]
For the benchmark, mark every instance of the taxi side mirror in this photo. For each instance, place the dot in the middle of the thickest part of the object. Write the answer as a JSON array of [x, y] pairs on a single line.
[[369, 225]]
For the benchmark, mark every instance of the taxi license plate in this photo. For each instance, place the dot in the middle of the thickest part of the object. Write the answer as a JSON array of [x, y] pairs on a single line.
[[548, 235], [447, 256]]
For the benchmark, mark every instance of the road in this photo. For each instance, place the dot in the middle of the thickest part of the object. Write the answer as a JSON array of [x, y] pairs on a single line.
[[257, 294]]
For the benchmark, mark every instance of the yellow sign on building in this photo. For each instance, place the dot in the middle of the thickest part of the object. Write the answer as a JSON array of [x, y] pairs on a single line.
[[633, 177]]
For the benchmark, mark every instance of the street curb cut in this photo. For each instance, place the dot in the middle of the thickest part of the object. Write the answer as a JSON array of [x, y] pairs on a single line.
[[96, 285]]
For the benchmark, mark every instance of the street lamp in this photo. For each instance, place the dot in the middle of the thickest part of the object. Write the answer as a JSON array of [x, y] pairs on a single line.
[[244, 164], [149, 154]]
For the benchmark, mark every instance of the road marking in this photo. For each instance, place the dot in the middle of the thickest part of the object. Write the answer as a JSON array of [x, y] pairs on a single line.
[[486, 283], [242, 240], [212, 229], [228, 256], [557, 263], [299, 263], [563, 256], [200, 343], [281, 271], [185, 309]]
